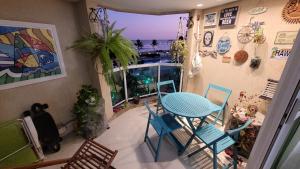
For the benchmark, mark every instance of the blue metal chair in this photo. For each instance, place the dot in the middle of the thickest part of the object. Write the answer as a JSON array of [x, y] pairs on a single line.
[[171, 89], [163, 125], [218, 141], [223, 105]]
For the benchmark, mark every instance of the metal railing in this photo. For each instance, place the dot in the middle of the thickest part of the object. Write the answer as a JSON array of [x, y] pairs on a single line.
[[141, 80]]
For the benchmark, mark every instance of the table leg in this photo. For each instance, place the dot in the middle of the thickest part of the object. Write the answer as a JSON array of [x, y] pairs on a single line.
[[193, 135]]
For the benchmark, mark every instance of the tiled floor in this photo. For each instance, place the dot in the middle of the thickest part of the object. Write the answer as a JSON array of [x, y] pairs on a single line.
[[126, 134]]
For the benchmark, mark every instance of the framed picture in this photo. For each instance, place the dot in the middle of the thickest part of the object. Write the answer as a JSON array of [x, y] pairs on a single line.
[[285, 37], [29, 53], [208, 38], [210, 19], [228, 16]]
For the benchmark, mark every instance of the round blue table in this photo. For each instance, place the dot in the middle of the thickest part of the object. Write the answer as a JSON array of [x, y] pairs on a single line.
[[188, 105], [191, 106]]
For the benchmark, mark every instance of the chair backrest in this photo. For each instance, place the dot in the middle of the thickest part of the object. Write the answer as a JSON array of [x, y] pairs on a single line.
[[154, 116], [219, 88], [227, 95], [234, 133], [169, 83]]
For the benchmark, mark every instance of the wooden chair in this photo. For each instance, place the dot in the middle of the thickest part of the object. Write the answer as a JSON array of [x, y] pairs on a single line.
[[218, 141], [91, 155]]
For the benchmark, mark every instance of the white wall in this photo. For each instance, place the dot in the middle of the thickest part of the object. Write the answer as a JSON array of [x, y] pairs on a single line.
[[242, 77], [60, 94]]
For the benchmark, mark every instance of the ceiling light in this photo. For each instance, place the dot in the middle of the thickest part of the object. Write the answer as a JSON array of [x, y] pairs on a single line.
[[199, 5]]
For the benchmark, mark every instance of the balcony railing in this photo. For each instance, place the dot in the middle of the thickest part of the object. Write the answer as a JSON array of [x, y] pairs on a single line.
[[140, 80]]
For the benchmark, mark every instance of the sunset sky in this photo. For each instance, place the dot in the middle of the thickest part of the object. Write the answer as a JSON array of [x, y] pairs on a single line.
[[147, 27]]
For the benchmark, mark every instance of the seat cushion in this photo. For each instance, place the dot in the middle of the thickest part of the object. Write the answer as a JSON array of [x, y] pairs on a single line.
[[209, 133]]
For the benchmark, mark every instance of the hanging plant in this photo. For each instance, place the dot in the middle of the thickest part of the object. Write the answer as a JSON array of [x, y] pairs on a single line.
[[110, 47], [179, 50]]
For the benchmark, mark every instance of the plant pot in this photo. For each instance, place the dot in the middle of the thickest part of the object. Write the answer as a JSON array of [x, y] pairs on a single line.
[[136, 99], [255, 62]]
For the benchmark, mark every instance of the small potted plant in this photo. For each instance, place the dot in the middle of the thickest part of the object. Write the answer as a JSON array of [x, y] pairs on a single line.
[[89, 119]]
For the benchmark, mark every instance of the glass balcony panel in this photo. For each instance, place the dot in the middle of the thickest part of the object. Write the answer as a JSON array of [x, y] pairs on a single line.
[[170, 73], [117, 88], [141, 81]]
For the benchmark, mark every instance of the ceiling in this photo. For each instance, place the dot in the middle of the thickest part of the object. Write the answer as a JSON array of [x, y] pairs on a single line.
[[159, 7]]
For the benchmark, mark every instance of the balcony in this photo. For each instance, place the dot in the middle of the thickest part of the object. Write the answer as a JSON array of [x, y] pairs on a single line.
[[260, 67]]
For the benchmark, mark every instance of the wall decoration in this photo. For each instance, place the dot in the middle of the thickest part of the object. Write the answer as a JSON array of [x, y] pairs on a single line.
[[291, 12], [228, 16], [278, 53], [226, 59], [210, 19], [257, 10], [205, 53], [224, 45], [246, 33], [259, 37], [285, 37], [255, 62], [29, 53], [208, 38], [241, 56]]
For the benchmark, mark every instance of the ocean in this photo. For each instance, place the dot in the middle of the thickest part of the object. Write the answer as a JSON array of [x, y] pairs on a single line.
[[162, 45]]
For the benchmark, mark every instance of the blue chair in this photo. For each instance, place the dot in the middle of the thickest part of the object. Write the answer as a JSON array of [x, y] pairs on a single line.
[[169, 85], [163, 125], [223, 105], [218, 141]]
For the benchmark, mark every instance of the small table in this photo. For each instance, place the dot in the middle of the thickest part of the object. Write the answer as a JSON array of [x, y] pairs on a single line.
[[189, 105]]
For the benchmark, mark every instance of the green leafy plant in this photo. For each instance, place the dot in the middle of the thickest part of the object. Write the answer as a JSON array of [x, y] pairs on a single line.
[[178, 50], [85, 110], [110, 47]]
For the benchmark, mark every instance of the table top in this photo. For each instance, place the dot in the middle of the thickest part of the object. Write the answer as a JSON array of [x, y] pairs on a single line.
[[188, 104]]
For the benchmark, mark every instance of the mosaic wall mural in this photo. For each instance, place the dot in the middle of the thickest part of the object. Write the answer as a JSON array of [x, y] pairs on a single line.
[[29, 53]]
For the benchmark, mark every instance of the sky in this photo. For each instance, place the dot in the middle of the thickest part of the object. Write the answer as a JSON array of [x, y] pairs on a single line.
[[147, 27]]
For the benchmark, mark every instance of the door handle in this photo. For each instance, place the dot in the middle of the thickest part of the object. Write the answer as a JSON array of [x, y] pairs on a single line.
[[291, 110], [297, 115]]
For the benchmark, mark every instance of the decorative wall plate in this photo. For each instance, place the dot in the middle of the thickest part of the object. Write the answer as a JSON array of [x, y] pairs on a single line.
[[208, 38], [257, 10], [241, 56], [291, 12], [224, 45]]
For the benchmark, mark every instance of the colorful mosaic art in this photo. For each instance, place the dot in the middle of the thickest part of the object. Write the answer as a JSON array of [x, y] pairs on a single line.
[[29, 53]]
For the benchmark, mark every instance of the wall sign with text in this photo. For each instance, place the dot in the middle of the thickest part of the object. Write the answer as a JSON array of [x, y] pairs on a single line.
[[228, 16]]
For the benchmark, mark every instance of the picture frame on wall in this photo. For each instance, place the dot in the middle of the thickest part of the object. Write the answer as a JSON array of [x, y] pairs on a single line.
[[29, 53], [228, 16], [210, 19], [208, 37], [285, 37]]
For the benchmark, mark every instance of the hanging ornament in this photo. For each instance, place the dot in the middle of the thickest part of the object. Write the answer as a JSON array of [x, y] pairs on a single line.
[[197, 61], [223, 45], [291, 12], [241, 56]]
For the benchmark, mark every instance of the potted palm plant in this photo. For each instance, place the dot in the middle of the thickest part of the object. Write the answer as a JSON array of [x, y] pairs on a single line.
[[110, 48]]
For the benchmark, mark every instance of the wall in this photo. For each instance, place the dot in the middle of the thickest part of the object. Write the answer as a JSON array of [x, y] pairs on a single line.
[[241, 77], [60, 94]]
